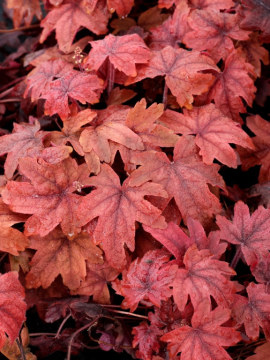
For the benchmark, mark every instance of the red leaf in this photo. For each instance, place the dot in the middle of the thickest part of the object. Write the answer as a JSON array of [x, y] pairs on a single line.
[[75, 85], [56, 254], [147, 337], [189, 176], [257, 17], [177, 241], [254, 312], [264, 191], [254, 53], [96, 282], [171, 31], [250, 232], [211, 4], [48, 196], [40, 79], [214, 132], [72, 129], [67, 20], [123, 52], [109, 126], [181, 69], [233, 84], [213, 30], [122, 8], [24, 11], [11, 240], [203, 276], [262, 352], [25, 140], [147, 280], [200, 4], [12, 306], [206, 338], [173, 238], [261, 154], [144, 122], [261, 271], [118, 207]]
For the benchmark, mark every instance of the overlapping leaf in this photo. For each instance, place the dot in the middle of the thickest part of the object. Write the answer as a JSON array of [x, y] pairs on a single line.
[[98, 277], [24, 11], [177, 241], [262, 352], [147, 280], [206, 338], [253, 312], [199, 4], [25, 140], [185, 178], [72, 129], [11, 240], [211, 4], [144, 122], [254, 53], [182, 70], [12, 306], [257, 17], [251, 233], [214, 132], [74, 85], [48, 195], [147, 337], [40, 79], [67, 20], [58, 255], [121, 7], [123, 52], [118, 207], [233, 84], [261, 154], [213, 30], [108, 126], [203, 276], [171, 31]]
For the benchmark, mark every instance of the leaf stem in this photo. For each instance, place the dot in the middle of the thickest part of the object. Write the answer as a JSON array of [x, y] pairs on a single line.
[[110, 77], [62, 324], [41, 334], [4, 31], [236, 258], [88, 325], [165, 96], [21, 349], [128, 313]]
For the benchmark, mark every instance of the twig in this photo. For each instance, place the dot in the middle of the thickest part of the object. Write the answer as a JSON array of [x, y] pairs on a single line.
[[62, 324], [128, 313], [41, 334], [76, 333], [236, 258], [19, 29]]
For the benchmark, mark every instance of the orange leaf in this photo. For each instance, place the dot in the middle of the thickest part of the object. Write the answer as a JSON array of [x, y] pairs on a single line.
[[59, 255]]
